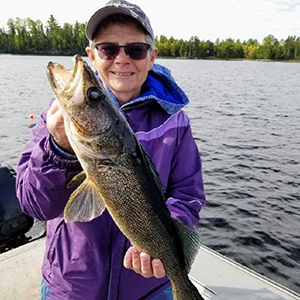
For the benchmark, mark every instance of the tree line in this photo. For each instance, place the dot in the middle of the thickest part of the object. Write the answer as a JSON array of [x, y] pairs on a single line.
[[26, 36]]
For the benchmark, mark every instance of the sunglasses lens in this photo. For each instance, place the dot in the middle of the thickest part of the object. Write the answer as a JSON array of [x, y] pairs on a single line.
[[108, 51], [137, 50]]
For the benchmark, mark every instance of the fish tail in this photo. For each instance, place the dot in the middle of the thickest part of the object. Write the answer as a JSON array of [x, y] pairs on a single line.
[[185, 290]]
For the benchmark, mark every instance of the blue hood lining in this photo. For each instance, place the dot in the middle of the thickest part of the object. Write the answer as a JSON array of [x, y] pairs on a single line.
[[161, 87]]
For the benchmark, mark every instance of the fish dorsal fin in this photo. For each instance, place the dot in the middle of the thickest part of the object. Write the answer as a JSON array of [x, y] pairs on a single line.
[[190, 243], [153, 170], [157, 193], [158, 190], [84, 204]]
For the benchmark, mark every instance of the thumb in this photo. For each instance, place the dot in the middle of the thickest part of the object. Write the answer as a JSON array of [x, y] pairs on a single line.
[[54, 115], [53, 108]]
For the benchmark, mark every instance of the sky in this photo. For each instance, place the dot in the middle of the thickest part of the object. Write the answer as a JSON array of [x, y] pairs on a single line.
[[206, 19]]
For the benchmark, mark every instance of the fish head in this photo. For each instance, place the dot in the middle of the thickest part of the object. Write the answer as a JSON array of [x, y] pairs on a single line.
[[83, 100]]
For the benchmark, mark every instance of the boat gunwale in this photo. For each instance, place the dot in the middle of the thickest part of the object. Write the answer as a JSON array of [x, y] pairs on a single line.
[[253, 273]]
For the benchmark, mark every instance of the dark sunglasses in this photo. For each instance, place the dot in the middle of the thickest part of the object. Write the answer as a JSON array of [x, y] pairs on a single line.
[[108, 51]]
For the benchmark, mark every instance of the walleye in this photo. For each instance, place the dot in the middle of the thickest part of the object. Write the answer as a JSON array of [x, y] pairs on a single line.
[[119, 176]]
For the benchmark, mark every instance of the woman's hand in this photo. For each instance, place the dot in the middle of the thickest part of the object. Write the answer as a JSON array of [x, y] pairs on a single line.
[[56, 126], [141, 263]]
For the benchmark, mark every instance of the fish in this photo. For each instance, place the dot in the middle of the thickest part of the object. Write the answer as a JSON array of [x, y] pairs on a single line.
[[118, 175]]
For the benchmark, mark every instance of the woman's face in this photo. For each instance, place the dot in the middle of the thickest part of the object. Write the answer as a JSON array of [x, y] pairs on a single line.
[[123, 75]]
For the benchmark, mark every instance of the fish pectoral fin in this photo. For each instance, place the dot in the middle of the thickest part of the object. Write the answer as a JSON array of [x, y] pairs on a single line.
[[190, 243], [106, 164], [85, 204], [77, 180], [121, 168]]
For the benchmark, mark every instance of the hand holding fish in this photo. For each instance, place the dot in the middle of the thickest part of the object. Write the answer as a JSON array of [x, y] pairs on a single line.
[[56, 126], [141, 263]]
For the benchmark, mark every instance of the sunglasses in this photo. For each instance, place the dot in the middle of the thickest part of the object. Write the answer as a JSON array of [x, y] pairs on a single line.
[[108, 51]]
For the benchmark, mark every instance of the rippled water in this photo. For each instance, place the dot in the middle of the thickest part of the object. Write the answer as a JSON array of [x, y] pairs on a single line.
[[245, 119]]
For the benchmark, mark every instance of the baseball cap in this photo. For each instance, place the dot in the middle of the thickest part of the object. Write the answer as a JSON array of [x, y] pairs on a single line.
[[117, 7]]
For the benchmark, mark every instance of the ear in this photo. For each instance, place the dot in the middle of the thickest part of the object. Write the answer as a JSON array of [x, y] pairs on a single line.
[[90, 53], [152, 59]]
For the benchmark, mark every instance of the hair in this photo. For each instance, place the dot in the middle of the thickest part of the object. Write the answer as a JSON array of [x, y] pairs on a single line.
[[124, 20]]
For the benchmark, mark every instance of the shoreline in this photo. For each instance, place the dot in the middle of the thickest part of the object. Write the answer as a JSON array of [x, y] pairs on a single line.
[[161, 57]]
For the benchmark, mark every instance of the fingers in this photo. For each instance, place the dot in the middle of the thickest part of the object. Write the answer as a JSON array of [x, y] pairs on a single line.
[[146, 265], [142, 264], [158, 268], [56, 126], [136, 261], [128, 259], [53, 108], [54, 116]]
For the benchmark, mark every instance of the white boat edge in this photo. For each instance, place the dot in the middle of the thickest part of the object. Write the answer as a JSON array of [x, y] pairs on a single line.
[[215, 276]]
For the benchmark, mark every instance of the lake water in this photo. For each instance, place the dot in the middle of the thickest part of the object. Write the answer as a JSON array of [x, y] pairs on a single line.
[[245, 119]]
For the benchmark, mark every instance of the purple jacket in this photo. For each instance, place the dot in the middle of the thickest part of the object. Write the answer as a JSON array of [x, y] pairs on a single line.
[[85, 260]]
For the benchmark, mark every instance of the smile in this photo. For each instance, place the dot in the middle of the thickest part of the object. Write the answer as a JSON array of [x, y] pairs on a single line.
[[123, 74]]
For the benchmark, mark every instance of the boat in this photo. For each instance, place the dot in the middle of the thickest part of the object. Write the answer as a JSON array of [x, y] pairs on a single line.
[[13, 222], [215, 276], [220, 278]]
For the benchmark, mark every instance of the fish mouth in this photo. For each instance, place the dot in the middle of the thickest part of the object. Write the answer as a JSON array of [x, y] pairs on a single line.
[[64, 82]]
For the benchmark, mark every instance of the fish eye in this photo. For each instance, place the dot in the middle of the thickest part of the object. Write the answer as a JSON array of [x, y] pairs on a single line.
[[95, 94]]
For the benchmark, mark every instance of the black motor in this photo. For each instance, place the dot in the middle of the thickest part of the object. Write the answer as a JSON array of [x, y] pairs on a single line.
[[13, 222]]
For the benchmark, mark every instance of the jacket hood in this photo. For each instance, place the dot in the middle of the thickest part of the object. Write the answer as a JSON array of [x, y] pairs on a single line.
[[161, 87]]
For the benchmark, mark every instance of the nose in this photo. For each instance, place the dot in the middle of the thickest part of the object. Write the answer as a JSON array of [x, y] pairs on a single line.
[[122, 57]]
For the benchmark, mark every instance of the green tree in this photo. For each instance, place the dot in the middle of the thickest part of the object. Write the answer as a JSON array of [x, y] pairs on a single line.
[[22, 38], [289, 48], [239, 49], [38, 38], [297, 49], [67, 39], [226, 49], [210, 49], [163, 46], [53, 31], [175, 48], [3, 41], [29, 36], [80, 40], [279, 55], [269, 47], [250, 48], [11, 36], [196, 48], [183, 50]]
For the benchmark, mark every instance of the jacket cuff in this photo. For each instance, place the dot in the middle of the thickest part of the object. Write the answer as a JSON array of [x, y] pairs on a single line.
[[59, 160], [60, 151]]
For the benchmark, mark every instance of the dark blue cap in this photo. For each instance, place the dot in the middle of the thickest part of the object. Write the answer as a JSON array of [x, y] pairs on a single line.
[[117, 7]]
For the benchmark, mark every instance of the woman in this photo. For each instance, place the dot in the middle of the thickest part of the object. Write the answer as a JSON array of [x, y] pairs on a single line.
[[85, 260]]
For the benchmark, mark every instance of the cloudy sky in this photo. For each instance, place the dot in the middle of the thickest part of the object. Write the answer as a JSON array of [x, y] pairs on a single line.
[[237, 19]]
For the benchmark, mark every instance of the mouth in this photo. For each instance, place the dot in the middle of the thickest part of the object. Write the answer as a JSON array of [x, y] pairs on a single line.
[[59, 76], [64, 81], [123, 74]]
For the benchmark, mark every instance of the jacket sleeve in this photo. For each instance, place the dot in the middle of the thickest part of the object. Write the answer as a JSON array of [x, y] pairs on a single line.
[[43, 175], [185, 190]]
